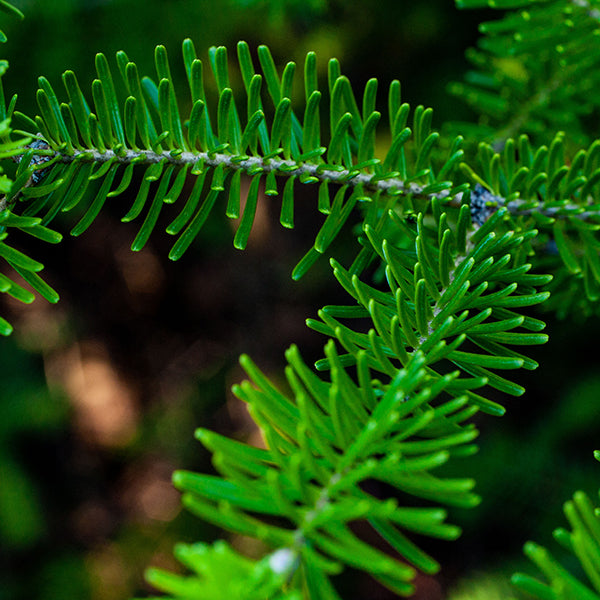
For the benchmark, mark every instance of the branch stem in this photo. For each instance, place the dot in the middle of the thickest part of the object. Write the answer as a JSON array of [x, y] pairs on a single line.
[[252, 165]]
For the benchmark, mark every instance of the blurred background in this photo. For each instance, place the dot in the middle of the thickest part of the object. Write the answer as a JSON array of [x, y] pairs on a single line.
[[101, 393]]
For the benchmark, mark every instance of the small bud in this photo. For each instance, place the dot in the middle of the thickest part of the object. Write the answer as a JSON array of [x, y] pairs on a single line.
[[283, 561], [37, 159], [483, 204]]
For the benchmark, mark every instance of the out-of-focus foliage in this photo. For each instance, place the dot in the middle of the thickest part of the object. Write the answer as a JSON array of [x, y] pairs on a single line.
[[482, 588], [534, 71], [582, 542], [27, 411]]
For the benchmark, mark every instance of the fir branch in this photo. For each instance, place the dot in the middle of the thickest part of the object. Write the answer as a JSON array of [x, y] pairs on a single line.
[[333, 435], [313, 468], [456, 258], [536, 70], [582, 542], [429, 300], [392, 186], [486, 203], [253, 165], [519, 119]]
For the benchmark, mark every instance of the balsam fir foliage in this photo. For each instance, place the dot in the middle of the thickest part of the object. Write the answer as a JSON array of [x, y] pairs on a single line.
[[583, 541], [461, 244], [534, 70]]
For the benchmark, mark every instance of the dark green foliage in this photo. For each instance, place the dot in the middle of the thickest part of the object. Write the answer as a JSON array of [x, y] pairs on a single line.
[[26, 406], [7, 7], [23, 265], [583, 541], [535, 71]]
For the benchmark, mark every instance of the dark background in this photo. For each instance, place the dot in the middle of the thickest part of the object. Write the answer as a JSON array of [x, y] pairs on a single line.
[[101, 393]]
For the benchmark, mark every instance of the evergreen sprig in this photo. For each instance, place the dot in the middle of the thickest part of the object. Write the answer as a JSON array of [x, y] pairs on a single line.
[[24, 266], [323, 444], [221, 573], [542, 188], [11, 9], [448, 288], [583, 542], [459, 242], [535, 70], [146, 128], [93, 154], [100, 150], [334, 435]]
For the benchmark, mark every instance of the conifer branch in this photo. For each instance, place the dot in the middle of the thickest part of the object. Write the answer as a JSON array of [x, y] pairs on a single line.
[[520, 118], [460, 241], [253, 165]]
